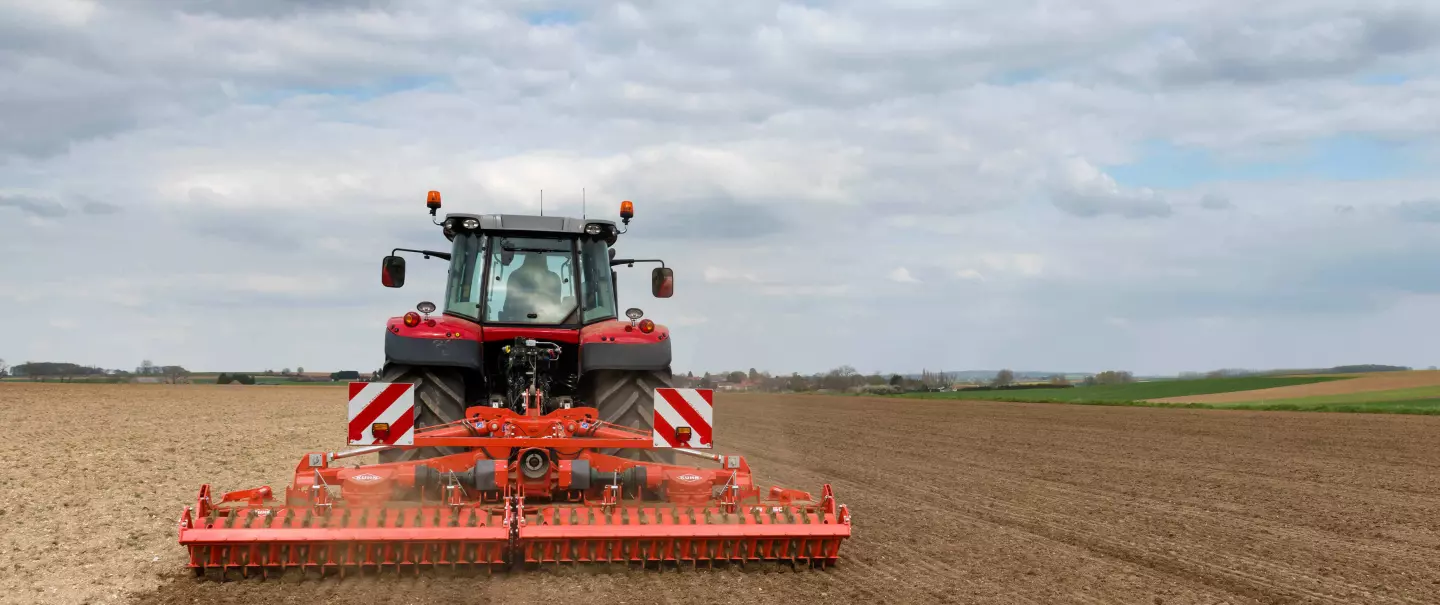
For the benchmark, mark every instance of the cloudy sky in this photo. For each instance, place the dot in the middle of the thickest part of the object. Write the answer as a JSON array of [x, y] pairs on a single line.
[[932, 184]]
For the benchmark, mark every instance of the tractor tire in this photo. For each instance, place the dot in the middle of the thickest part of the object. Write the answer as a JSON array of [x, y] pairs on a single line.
[[439, 398], [627, 398]]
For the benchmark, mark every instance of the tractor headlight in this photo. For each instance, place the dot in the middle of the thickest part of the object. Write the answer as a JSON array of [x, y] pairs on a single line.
[[470, 223], [449, 224], [634, 313], [593, 229]]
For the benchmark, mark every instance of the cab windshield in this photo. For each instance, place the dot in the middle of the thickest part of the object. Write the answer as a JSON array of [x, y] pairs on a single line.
[[531, 281], [522, 279]]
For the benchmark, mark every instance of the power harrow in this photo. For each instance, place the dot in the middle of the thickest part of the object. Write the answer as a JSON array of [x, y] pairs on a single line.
[[528, 489]]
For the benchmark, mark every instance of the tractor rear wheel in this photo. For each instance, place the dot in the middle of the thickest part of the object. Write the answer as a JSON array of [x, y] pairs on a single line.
[[439, 398], [627, 398]]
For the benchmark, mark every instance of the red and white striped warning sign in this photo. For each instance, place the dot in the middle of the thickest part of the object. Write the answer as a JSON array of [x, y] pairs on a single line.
[[682, 418], [382, 413]]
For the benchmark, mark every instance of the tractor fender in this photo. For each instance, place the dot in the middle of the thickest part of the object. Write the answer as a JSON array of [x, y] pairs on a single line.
[[625, 356], [441, 345], [610, 346]]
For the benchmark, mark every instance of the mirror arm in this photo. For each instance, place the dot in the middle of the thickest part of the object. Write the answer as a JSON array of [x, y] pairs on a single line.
[[630, 262], [425, 253]]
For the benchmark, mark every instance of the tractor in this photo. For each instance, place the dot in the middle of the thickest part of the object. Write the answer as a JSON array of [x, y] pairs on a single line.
[[519, 278], [526, 424]]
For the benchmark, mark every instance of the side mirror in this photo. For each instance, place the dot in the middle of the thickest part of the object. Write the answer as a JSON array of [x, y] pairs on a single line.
[[392, 272], [662, 282]]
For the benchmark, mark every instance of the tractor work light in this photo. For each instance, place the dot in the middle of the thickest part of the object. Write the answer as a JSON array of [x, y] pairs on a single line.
[[593, 229], [647, 326], [412, 319], [470, 223]]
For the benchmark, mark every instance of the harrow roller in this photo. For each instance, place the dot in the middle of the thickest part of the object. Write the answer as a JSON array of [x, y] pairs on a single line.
[[688, 535], [268, 539]]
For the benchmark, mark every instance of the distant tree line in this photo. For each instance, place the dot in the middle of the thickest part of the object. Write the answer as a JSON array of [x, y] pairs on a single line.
[[1346, 369], [228, 378], [844, 378], [42, 371]]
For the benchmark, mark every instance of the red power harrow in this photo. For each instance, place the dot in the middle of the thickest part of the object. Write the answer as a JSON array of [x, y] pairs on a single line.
[[530, 490]]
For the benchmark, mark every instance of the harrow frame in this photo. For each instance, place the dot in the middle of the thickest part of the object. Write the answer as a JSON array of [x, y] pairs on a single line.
[[528, 490]]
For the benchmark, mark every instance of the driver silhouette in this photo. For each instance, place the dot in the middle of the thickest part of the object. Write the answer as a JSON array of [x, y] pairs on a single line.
[[532, 292]]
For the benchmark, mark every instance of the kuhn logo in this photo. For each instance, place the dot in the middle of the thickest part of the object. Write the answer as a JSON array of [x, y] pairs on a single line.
[[366, 477], [688, 478]]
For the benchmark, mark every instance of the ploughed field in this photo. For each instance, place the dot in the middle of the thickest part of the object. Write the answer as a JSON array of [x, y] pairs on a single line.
[[953, 501]]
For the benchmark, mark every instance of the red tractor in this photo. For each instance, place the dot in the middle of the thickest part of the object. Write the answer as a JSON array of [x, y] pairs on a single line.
[[517, 278], [527, 424]]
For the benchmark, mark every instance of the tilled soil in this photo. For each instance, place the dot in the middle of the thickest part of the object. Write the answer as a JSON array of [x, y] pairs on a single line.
[[1380, 381], [954, 502]]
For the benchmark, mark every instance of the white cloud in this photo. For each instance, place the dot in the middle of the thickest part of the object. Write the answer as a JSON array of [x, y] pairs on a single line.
[[1083, 190], [902, 275], [719, 275], [1008, 264], [784, 159]]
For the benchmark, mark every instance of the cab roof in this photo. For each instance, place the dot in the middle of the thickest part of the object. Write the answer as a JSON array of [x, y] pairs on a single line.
[[530, 223]]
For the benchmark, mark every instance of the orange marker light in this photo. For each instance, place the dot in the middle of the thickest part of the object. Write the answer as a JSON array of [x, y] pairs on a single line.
[[412, 319], [627, 210], [432, 200], [647, 326]]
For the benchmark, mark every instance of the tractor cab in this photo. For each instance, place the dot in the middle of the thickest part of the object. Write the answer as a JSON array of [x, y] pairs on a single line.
[[530, 319], [531, 270]]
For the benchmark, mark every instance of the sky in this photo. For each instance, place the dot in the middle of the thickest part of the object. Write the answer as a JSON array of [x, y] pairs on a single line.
[[1044, 185]]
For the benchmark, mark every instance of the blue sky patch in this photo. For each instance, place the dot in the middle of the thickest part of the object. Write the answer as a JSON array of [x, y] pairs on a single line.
[[1384, 79], [552, 17], [1016, 76], [1344, 157], [358, 92]]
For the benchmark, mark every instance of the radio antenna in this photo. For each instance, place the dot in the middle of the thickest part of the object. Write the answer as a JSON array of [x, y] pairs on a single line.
[[542, 202], [582, 202]]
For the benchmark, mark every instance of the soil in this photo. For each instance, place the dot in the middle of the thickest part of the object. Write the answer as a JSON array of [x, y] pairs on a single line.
[[954, 502], [1382, 381]]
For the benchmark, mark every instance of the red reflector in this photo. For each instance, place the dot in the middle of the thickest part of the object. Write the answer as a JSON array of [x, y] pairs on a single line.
[[412, 319], [629, 328], [430, 322], [647, 326]]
